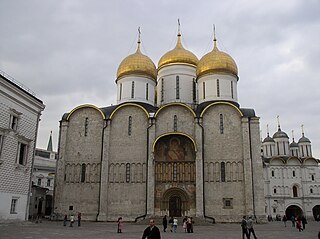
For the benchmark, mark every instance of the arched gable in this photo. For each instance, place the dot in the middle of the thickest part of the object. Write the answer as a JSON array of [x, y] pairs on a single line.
[[86, 106], [310, 162], [129, 104], [174, 133], [277, 161], [294, 161], [219, 103], [175, 103]]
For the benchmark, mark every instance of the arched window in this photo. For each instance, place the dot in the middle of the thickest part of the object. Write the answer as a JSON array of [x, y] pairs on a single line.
[[177, 88], [295, 191], [311, 190], [83, 173], [275, 191], [293, 173], [223, 171], [132, 89], [272, 173], [221, 124], [218, 88], [128, 173], [130, 125], [175, 123]]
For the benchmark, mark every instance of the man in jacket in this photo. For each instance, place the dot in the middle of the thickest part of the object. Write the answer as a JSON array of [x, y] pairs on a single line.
[[152, 231]]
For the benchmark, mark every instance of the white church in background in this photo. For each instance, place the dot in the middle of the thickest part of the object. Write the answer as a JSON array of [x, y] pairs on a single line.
[[292, 176]]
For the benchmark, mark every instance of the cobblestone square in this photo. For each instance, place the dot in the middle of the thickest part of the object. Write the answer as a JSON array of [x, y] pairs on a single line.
[[96, 230]]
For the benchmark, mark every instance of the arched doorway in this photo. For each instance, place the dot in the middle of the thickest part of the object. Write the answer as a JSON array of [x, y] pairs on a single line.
[[175, 202], [293, 211], [316, 212], [175, 175]]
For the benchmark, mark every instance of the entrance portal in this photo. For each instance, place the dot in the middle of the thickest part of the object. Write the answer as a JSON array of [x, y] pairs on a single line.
[[293, 211], [175, 206]]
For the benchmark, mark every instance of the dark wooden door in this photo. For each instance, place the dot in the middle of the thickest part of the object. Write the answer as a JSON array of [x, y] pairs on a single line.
[[175, 206]]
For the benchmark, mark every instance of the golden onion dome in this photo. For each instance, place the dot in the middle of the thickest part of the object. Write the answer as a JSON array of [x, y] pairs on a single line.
[[216, 62], [137, 64], [178, 55]]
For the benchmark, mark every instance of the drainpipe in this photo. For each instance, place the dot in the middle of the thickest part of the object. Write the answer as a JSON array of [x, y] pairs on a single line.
[[146, 208], [102, 143], [250, 147], [202, 155]]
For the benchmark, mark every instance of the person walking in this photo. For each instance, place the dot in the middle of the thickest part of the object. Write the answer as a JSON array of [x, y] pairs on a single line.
[[165, 223], [152, 231], [292, 220], [298, 223], [120, 225], [285, 219], [244, 228], [71, 220], [175, 224], [65, 219], [250, 228], [171, 223], [304, 222], [184, 224], [79, 219]]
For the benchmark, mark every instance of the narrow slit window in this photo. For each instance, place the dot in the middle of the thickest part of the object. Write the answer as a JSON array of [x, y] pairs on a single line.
[[162, 90], [120, 91], [194, 91], [83, 173], [130, 125], [221, 124], [218, 88], [295, 191], [86, 122], [147, 91], [132, 89], [175, 123], [231, 85], [177, 88], [223, 172], [293, 173], [128, 174], [204, 89]]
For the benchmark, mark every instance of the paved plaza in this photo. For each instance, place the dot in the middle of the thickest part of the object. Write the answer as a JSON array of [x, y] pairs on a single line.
[[101, 230]]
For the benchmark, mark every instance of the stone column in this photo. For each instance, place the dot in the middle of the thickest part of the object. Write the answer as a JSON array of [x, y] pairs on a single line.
[[151, 171], [199, 170], [104, 176], [247, 168], [257, 166]]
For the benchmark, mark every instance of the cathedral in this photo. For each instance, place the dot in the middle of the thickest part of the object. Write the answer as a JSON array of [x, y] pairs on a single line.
[[177, 143]]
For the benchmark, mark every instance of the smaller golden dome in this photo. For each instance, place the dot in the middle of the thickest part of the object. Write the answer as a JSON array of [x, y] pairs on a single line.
[[178, 55], [137, 64], [216, 62]]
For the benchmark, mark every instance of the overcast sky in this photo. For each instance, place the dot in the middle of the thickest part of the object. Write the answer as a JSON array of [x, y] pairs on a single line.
[[68, 52]]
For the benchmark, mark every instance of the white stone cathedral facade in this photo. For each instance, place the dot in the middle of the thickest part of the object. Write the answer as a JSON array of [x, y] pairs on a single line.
[[292, 177], [177, 143]]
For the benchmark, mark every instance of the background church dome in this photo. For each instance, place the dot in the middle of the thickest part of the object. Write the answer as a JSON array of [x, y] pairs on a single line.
[[268, 139], [178, 55], [280, 134], [304, 139], [137, 64], [216, 62]]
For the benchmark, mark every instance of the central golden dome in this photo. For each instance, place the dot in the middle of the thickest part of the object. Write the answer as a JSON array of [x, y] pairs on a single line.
[[137, 64], [216, 62], [178, 55]]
